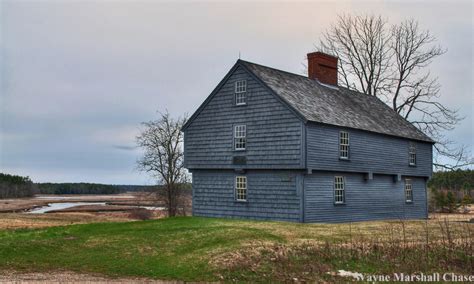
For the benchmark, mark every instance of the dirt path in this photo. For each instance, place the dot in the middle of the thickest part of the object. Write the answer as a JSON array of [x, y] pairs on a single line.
[[69, 277]]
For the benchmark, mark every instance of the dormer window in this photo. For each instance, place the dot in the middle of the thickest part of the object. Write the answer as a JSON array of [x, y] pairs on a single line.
[[240, 137], [344, 145], [241, 92], [412, 154]]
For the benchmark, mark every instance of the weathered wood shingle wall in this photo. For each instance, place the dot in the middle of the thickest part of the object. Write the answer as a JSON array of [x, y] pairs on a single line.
[[274, 133], [271, 195]]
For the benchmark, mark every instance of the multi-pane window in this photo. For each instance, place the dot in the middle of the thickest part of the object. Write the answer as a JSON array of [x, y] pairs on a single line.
[[412, 154], [241, 92], [408, 191], [339, 190], [240, 137], [344, 145], [241, 188]]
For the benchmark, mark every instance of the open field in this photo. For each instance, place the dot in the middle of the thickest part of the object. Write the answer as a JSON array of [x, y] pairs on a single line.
[[205, 249]]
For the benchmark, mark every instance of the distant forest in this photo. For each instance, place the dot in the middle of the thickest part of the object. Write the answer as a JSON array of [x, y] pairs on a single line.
[[88, 188], [451, 191], [457, 181], [12, 186]]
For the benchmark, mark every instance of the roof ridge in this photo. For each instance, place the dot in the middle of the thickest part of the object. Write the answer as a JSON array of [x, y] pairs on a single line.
[[304, 77], [276, 69], [305, 101]]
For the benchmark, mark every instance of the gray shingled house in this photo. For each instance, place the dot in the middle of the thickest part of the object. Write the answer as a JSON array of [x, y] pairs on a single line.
[[268, 144]]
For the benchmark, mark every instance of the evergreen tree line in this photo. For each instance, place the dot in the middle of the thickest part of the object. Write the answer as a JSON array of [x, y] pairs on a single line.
[[89, 188], [451, 190], [12, 186]]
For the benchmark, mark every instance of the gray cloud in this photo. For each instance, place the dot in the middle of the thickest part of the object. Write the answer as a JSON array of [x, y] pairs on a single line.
[[79, 77]]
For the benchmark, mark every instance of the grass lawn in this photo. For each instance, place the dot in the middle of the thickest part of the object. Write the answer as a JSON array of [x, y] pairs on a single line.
[[207, 249]]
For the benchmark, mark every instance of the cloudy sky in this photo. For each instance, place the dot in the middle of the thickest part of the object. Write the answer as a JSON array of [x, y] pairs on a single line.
[[78, 77]]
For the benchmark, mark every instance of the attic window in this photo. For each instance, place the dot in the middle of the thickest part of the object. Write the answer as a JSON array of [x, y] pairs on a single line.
[[240, 137], [344, 145], [412, 154], [241, 92]]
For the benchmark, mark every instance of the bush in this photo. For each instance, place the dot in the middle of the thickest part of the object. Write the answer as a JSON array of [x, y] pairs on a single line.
[[140, 214]]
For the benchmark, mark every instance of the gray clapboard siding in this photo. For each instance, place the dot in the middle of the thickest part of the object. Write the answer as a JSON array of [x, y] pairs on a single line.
[[271, 195], [379, 198], [274, 133], [369, 152]]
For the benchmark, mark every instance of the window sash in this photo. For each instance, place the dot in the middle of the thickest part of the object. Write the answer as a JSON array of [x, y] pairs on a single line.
[[240, 99], [241, 188], [344, 145], [408, 190], [412, 154], [240, 137], [241, 86], [339, 190]]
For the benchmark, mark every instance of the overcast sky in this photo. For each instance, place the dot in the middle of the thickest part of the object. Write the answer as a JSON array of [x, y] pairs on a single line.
[[77, 78]]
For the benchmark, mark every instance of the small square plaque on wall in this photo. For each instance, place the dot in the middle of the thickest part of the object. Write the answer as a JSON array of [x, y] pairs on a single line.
[[239, 160]]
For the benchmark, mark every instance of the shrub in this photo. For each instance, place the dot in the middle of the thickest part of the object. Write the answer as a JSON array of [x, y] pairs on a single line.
[[140, 214]]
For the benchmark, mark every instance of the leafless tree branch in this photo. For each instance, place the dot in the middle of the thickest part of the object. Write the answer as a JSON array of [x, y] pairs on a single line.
[[390, 62], [161, 141]]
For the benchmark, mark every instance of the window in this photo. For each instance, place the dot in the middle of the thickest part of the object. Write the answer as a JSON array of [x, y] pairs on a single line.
[[240, 133], [241, 92], [339, 191], [412, 154], [241, 188], [344, 145], [408, 191]]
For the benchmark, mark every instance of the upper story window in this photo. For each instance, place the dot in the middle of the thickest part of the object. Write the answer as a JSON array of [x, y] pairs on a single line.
[[412, 154], [241, 92], [408, 191], [241, 188], [240, 137], [339, 190], [344, 145]]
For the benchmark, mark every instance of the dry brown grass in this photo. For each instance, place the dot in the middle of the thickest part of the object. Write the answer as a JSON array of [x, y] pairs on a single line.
[[310, 251], [31, 221], [411, 230], [24, 204]]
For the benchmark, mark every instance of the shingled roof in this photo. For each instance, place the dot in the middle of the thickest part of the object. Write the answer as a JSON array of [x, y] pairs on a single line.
[[334, 105]]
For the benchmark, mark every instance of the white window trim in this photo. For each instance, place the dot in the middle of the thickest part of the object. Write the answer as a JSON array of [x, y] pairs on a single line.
[[240, 90], [237, 98], [344, 144], [343, 189], [239, 181], [408, 188], [412, 151], [240, 86], [240, 137]]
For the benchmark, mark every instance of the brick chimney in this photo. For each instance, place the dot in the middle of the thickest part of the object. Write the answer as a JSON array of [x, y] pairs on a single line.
[[322, 67]]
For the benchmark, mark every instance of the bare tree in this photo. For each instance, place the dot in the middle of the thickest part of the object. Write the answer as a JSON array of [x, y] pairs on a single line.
[[391, 62], [162, 141]]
